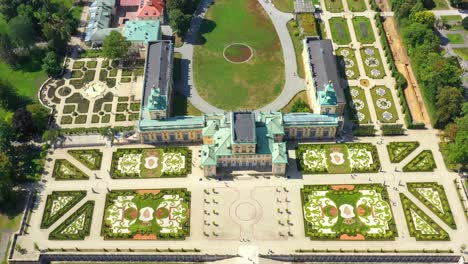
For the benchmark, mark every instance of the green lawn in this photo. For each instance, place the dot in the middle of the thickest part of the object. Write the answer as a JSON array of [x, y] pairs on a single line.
[[299, 96], [359, 110], [339, 30], [334, 6], [357, 5], [347, 63], [384, 104], [363, 29], [462, 52], [308, 24], [451, 19], [372, 63], [286, 6], [297, 43], [455, 38], [182, 106], [247, 85]]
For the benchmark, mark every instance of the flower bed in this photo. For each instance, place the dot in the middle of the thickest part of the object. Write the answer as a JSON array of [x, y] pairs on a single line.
[[147, 214], [357, 105], [64, 170], [77, 226], [347, 212], [337, 158], [397, 151], [58, 203], [420, 225], [91, 158], [151, 163], [424, 161], [384, 104], [433, 196], [347, 63], [372, 63]]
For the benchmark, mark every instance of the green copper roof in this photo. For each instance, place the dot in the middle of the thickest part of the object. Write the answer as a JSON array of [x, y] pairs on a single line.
[[208, 155], [327, 96], [210, 128], [156, 101], [172, 123], [279, 153], [142, 30]]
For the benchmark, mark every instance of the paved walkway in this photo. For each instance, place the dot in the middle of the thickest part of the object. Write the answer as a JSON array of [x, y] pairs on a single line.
[[293, 84]]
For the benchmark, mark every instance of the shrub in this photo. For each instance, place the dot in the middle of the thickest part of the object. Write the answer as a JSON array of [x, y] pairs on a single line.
[[87, 209], [47, 218], [364, 131], [424, 161], [398, 151], [392, 130], [64, 170], [82, 155]]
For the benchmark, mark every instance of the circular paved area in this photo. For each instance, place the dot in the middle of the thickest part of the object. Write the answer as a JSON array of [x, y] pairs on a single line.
[[246, 211]]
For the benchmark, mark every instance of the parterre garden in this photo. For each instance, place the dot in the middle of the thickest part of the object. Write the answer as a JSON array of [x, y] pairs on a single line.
[[77, 226], [357, 105], [347, 212], [151, 163], [372, 62], [397, 151], [420, 225], [384, 105], [337, 158], [363, 29], [424, 161], [147, 214], [58, 203], [347, 63], [65, 170], [91, 158], [340, 31]]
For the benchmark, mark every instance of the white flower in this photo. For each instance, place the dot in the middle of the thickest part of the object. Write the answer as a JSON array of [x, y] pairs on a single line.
[[360, 116], [369, 51], [387, 115], [354, 92], [349, 73], [375, 72], [383, 103], [380, 91]]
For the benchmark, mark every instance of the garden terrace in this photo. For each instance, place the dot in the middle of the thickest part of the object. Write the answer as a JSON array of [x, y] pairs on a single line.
[[397, 151], [339, 30], [65, 170], [151, 163], [337, 158], [357, 105], [334, 6], [58, 203], [433, 196], [91, 158], [147, 214], [424, 161], [77, 226], [357, 5], [347, 63], [420, 225], [347, 212], [363, 28], [384, 105], [372, 63]]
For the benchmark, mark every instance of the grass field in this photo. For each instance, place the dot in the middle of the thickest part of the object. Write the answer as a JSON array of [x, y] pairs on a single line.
[[339, 30], [297, 43], [455, 38], [451, 19], [286, 6], [365, 34], [334, 6], [357, 5], [247, 85], [299, 96], [462, 52]]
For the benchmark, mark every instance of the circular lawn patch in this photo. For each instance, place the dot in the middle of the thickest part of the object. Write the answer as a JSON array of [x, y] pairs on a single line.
[[238, 53], [64, 91]]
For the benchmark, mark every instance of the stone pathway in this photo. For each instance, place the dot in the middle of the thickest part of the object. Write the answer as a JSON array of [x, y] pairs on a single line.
[[293, 84]]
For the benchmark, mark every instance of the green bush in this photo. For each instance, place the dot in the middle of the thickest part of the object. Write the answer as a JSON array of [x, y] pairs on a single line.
[[78, 65], [398, 151], [424, 161], [392, 130], [71, 172], [82, 156], [87, 209], [91, 64], [364, 131], [47, 218]]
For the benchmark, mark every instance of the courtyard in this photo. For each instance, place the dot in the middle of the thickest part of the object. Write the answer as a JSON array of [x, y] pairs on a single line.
[[236, 60]]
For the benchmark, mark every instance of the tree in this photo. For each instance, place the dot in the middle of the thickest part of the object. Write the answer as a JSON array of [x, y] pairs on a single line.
[[115, 46], [39, 115], [7, 53], [180, 22], [6, 137], [448, 104], [457, 151], [21, 31], [9, 100], [465, 23], [23, 124], [300, 106], [424, 17], [185, 6], [50, 64]]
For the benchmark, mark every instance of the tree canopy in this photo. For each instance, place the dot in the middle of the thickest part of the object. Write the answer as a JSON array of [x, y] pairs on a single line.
[[300, 106], [180, 22], [51, 64], [21, 31], [115, 46]]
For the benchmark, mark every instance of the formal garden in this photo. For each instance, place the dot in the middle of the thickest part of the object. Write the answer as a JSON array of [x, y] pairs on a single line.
[[91, 158], [147, 214], [58, 203], [347, 63], [234, 83], [339, 30], [398, 151], [65, 170], [384, 104], [151, 163], [77, 226], [347, 212], [363, 28], [334, 6], [424, 161], [372, 63], [420, 225], [357, 105], [433, 196], [337, 158], [357, 5]]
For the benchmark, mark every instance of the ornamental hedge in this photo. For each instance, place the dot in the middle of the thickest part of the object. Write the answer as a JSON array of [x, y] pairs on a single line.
[[65, 170], [81, 231], [82, 154], [398, 151], [424, 161], [47, 218]]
